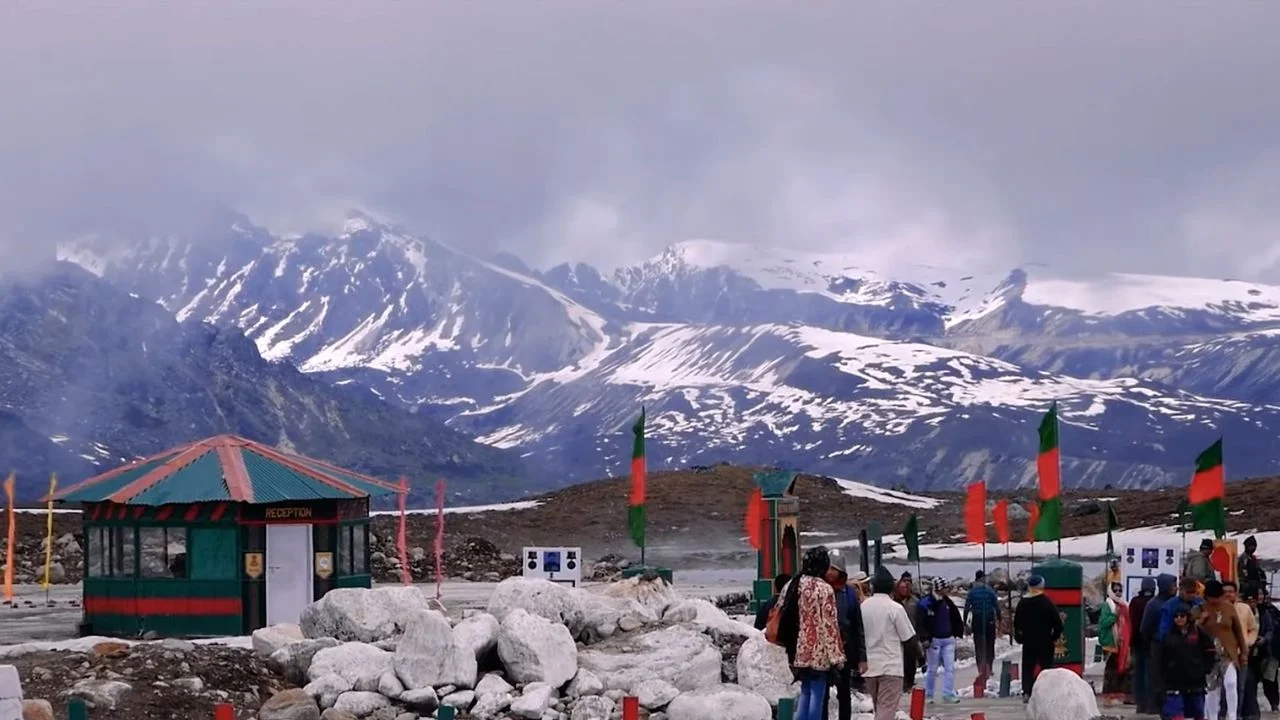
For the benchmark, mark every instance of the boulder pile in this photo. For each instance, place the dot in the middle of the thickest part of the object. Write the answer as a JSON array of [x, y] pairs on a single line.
[[540, 651], [472, 559]]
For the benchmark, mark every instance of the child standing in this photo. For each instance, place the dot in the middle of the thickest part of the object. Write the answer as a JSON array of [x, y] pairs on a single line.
[[1186, 655]]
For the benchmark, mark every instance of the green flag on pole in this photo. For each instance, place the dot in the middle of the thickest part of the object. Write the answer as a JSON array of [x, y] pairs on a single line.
[[1113, 524], [911, 534]]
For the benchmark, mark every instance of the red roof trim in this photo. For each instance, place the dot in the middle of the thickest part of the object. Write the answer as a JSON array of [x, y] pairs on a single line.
[[234, 473], [298, 467], [182, 459]]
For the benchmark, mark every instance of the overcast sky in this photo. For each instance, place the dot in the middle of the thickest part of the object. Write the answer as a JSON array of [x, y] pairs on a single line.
[[1134, 135]]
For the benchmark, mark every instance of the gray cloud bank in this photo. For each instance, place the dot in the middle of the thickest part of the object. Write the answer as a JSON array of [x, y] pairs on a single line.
[[1135, 136]]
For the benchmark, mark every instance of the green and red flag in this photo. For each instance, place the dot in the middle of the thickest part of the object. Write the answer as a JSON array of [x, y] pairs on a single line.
[[911, 536], [1049, 469], [1208, 490], [635, 509], [975, 513], [1113, 524]]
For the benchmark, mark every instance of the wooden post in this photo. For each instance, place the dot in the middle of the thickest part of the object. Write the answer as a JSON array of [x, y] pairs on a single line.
[[77, 710], [786, 708], [224, 711], [1006, 678]]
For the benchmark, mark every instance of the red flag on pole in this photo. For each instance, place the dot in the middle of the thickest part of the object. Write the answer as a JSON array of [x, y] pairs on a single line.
[[1000, 516], [1033, 512], [402, 539], [975, 513], [754, 522], [439, 545]]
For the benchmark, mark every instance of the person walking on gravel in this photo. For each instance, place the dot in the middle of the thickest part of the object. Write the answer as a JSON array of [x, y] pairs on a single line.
[[1036, 627], [940, 625], [810, 632]]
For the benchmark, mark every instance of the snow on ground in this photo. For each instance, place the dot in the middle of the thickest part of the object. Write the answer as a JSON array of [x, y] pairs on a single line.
[[467, 509], [1084, 546], [884, 495], [85, 644], [1116, 293]]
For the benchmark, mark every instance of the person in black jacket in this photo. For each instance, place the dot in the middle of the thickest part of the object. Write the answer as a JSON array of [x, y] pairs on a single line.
[[1036, 627], [1186, 655], [762, 615], [855, 646]]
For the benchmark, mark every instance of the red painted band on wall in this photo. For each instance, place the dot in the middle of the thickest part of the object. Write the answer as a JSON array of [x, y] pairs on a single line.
[[1065, 596], [162, 606]]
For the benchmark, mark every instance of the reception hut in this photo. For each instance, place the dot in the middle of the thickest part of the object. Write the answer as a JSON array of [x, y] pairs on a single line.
[[219, 537]]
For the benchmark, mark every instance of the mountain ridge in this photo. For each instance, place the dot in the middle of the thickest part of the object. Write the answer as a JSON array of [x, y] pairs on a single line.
[[497, 350]]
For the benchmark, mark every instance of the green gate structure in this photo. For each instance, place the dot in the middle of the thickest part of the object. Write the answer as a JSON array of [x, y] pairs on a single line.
[[219, 537], [1064, 585], [781, 532]]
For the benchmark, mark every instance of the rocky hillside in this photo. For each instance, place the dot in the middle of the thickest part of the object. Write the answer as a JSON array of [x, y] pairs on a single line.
[[91, 377], [926, 376]]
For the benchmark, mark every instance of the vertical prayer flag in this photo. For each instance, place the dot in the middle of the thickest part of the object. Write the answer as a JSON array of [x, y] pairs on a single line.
[[1033, 519], [635, 510], [1049, 469], [439, 543], [1000, 517], [911, 535], [1208, 490], [975, 513], [1113, 524], [48, 532], [402, 539], [12, 540], [756, 517]]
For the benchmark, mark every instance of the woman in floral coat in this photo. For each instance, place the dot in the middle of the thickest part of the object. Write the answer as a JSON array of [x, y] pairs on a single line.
[[809, 630]]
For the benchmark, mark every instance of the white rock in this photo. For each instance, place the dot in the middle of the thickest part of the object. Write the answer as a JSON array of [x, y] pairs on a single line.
[[654, 693], [763, 668], [101, 694], [543, 598], [717, 623], [362, 614], [536, 699], [584, 682], [536, 650], [294, 660], [389, 685], [598, 616], [682, 611], [267, 640], [193, 685], [428, 656], [462, 699], [493, 684], [653, 595], [361, 664], [678, 655], [478, 632], [10, 683], [489, 705], [423, 701], [594, 707], [1060, 694], [11, 709], [721, 702], [361, 704], [327, 689]]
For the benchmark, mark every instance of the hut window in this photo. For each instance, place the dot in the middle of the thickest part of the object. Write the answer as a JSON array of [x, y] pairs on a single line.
[[97, 560], [163, 552], [122, 551], [352, 559]]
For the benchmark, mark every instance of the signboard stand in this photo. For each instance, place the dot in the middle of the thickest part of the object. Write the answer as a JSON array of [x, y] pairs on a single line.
[[557, 564], [1138, 562]]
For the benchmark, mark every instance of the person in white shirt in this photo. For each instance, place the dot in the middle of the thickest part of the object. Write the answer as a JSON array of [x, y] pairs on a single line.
[[886, 628]]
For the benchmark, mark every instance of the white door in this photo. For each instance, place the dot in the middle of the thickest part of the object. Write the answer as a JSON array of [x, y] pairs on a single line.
[[289, 572]]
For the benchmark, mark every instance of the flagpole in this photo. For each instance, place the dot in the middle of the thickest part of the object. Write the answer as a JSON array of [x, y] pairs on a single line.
[[48, 539]]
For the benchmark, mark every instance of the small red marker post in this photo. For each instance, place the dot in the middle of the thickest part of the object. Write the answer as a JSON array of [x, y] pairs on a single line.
[[917, 704], [630, 708], [979, 687], [1014, 674], [224, 711], [978, 716]]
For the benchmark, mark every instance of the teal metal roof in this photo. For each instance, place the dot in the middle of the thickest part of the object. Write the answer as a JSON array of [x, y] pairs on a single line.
[[225, 468]]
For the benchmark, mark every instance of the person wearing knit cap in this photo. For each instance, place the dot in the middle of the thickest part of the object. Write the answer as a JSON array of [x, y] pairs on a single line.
[[1249, 570], [1036, 627], [888, 631], [940, 624]]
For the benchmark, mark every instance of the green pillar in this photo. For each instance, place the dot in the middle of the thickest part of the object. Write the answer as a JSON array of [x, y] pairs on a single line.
[[77, 710], [446, 712], [1064, 585], [786, 709]]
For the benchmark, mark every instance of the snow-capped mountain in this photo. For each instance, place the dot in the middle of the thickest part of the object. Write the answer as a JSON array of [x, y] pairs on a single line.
[[927, 376]]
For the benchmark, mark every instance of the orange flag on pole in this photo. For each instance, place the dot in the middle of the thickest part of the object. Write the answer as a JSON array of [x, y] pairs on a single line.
[[1033, 512], [1000, 517], [13, 540], [975, 513], [754, 522]]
